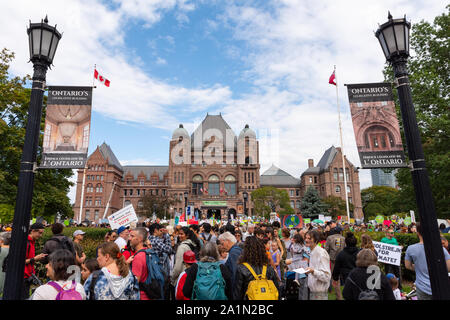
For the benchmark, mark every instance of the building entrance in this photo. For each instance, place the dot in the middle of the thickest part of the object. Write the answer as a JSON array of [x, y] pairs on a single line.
[[214, 213]]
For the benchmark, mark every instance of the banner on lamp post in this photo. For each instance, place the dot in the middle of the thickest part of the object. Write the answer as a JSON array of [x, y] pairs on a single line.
[[67, 127], [375, 125]]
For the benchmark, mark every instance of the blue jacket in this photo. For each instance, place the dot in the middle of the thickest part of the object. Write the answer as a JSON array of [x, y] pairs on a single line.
[[232, 261]]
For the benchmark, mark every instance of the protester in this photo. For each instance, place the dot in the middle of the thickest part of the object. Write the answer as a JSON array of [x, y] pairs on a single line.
[[249, 232], [276, 257], [188, 260], [139, 263], [393, 281], [115, 281], [88, 267], [415, 260], [123, 234], [366, 243], [207, 235], [286, 238], [5, 238], [188, 241], [162, 245], [57, 241], [319, 273], [444, 242], [345, 260], [356, 285], [196, 230], [111, 235], [334, 244], [36, 231], [218, 283], [228, 241], [80, 256], [390, 268], [60, 287], [300, 259], [254, 254]]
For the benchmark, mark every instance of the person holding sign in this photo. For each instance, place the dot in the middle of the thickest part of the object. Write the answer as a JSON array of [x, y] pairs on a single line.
[[389, 268]]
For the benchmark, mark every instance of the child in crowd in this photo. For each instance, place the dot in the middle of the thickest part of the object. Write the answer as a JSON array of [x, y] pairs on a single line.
[[394, 285], [88, 267], [188, 260], [276, 257]]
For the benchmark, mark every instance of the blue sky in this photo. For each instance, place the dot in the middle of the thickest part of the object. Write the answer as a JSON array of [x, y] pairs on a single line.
[[265, 63]]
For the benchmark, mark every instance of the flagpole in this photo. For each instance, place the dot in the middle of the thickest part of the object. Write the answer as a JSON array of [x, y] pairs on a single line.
[[93, 77], [342, 148]]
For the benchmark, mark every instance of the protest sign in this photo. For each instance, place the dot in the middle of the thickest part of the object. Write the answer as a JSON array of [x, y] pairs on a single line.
[[123, 217], [388, 253]]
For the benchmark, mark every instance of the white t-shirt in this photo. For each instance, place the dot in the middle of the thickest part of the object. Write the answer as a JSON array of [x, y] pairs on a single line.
[[397, 294], [121, 242], [47, 292]]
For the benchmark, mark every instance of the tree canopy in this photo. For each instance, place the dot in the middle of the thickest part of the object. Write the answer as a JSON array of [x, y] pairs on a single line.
[[270, 199], [429, 75], [51, 185]]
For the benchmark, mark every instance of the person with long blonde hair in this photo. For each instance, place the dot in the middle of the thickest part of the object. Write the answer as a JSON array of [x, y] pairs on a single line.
[[115, 281], [366, 243]]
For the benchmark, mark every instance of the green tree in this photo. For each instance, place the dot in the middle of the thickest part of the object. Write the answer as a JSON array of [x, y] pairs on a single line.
[[380, 200], [156, 203], [51, 185], [270, 199], [336, 206], [311, 204], [429, 75]]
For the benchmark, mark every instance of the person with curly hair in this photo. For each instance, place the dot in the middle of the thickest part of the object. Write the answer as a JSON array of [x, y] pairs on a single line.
[[254, 253], [366, 243]]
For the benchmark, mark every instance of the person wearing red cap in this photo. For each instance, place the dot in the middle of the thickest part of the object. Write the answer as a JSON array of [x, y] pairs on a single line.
[[188, 260]]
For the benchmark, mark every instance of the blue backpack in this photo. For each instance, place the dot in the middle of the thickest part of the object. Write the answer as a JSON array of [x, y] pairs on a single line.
[[154, 284], [209, 283]]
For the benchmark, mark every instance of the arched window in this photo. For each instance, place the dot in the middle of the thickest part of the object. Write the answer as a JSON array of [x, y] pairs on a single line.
[[230, 185], [213, 185], [349, 190], [335, 174], [230, 178], [197, 178], [197, 185], [298, 204], [338, 189]]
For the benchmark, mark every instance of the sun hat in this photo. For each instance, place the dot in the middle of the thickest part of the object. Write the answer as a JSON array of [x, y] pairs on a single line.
[[189, 257], [78, 232]]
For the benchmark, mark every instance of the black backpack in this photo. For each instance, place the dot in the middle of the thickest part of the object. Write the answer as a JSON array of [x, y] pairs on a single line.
[[64, 243], [368, 294], [196, 250]]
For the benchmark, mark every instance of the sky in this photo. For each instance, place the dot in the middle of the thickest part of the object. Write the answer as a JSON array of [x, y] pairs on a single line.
[[170, 62]]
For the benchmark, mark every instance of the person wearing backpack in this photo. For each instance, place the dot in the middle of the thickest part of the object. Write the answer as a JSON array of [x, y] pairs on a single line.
[[115, 280], [208, 279], [357, 283], [207, 235], [229, 243], [60, 287], [57, 241], [188, 241], [255, 278]]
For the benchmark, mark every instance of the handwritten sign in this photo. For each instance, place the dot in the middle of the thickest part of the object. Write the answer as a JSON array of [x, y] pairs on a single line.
[[123, 217], [388, 253]]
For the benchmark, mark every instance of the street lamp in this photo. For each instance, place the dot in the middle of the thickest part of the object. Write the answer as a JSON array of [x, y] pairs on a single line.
[[43, 41], [394, 40], [245, 196]]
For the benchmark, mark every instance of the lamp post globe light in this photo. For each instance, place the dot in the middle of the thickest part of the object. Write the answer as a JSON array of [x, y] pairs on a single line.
[[43, 42], [394, 40]]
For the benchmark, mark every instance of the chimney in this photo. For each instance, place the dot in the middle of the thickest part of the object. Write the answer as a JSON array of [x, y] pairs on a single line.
[[310, 163]]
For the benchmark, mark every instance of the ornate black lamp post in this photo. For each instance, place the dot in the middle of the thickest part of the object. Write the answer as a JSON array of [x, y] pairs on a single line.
[[43, 41], [245, 196], [394, 40]]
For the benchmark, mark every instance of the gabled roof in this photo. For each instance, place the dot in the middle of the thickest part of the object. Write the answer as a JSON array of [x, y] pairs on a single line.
[[147, 170], [107, 153], [325, 162], [214, 122], [274, 176]]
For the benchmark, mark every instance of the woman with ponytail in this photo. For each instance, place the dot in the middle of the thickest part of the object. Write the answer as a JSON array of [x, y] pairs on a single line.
[[115, 281]]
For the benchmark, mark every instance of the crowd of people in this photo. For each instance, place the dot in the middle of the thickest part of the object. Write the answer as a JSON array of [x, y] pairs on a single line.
[[221, 262]]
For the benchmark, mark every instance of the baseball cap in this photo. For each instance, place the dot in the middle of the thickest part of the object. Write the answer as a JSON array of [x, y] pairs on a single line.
[[391, 276], [76, 233], [121, 229], [189, 257]]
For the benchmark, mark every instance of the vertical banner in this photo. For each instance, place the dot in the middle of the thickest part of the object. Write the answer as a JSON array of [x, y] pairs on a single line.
[[375, 124], [67, 127]]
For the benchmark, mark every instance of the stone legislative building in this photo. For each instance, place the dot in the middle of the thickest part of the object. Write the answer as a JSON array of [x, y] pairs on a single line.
[[212, 167]]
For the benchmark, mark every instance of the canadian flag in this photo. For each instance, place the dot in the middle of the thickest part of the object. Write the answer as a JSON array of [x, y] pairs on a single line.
[[332, 79], [100, 78]]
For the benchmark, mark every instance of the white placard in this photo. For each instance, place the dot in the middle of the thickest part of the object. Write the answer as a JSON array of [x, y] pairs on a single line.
[[123, 217], [327, 218], [300, 270], [322, 217], [388, 253]]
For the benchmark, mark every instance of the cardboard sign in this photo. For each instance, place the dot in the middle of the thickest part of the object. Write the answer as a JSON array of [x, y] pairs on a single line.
[[379, 219], [306, 221], [388, 253], [123, 217]]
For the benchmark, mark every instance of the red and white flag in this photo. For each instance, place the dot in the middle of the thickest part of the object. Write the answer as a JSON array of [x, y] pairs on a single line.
[[332, 78], [100, 78]]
